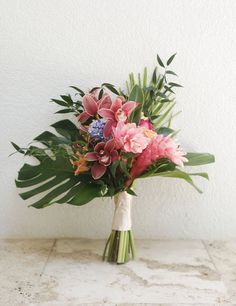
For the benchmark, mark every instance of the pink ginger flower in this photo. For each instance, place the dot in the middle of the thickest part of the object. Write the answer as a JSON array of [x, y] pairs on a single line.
[[92, 105], [119, 111], [130, 138], [144, 122], [159, 147], [104, 154]]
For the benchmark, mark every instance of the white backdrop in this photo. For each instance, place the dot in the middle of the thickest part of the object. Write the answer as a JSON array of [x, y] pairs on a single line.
[[45, 46]]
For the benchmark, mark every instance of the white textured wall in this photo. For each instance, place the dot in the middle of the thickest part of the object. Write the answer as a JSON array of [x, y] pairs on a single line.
[[45, 46]]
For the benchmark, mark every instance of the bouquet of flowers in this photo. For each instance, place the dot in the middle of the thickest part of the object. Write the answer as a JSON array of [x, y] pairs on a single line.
[[117, 137]]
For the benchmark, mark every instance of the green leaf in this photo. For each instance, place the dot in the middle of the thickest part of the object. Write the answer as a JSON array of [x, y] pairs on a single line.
[[113, 167], [18, 149], [170, 59], [145, 77], [79, 90], [67, 99], [163, 116], [59, 190], [124, 168], [59, 102], [86, 193], [48, 139], [154, 76], [169, 89], [160, 61], [161, 165], [171, 72], [65, 111], [53, 176], [100, 95], [181, 175], [137, 96], [175, 84], [44, 187], [67, 129], [196, 159], [111, 88], [131, 192], [161, 83], [202, 174], [165, 131], [94, 88]]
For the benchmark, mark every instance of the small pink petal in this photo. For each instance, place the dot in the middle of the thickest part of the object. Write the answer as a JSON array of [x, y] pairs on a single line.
[[106, 113], [105, 102], [90, 105], [128, 107], [109, 127], [98, 170], [114, 155], [105, 160], [116, 105], [99, 146], [110, 145], [83, 117], [91, 156]]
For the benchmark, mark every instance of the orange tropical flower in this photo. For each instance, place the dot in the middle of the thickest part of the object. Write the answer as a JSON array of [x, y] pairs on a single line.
[[81, 164]]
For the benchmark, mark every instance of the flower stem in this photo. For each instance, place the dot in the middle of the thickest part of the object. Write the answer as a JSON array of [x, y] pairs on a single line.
[[120, 247]]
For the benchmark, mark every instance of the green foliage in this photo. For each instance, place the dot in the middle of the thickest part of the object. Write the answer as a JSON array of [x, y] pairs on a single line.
[[69, 105], [156, 96], [197, 159], [182, 175], [137, 96], [54, 173]]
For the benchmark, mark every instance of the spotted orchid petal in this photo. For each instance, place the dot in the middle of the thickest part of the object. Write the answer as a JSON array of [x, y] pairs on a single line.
[[106, 113], [128, 107], [91, 156], [114, 155], [99, 146], [83, 117], [98, 170], [117, 104], [105, 102], [109, 146], [108, 128], [90, 105]]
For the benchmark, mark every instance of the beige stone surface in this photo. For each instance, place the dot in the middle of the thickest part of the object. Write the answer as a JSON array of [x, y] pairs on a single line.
[[70, 272], [21, 265]]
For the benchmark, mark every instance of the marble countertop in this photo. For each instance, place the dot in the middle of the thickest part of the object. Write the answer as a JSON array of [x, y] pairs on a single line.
[[70, 272]]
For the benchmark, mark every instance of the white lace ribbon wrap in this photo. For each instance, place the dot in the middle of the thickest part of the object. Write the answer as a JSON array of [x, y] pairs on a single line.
[[122, 214]]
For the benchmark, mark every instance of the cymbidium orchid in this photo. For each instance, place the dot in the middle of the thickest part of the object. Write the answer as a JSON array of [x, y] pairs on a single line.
[[92, 105], [119, 111], [104, 154]]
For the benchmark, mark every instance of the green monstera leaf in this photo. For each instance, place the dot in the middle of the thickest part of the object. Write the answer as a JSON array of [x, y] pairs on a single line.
[[53, 177]]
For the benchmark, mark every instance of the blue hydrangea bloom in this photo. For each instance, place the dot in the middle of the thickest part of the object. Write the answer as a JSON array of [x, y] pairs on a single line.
[[96, 130]]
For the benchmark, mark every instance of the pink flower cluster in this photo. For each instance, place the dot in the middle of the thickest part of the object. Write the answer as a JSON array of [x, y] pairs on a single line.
[[111, 135], [159, 147], [130, 138]]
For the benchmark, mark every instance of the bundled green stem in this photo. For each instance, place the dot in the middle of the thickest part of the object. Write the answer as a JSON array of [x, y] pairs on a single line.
[[120, 247]]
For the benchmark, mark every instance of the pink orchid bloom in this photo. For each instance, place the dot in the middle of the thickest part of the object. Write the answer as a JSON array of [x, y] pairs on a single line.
[[92, 105], [104, 154], [130, 138], [119, 111]]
